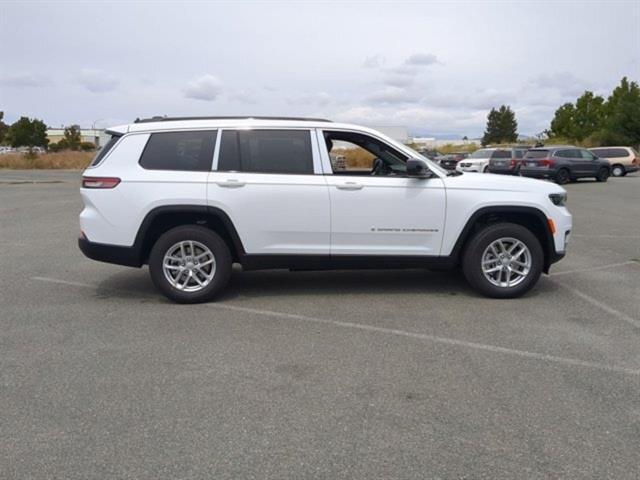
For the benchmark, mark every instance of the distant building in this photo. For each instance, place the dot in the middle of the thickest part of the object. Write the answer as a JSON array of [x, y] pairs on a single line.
[[97, 136]]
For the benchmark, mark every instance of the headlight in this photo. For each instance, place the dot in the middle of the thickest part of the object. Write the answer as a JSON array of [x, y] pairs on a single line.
[[558, 199]]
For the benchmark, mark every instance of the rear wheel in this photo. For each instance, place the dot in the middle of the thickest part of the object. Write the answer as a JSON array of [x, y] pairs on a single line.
[[617, 171], [563, 177], [190, 264], [504, 260], [602, 175]]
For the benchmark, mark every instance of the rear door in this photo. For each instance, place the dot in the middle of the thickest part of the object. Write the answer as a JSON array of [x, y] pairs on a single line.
[[268, 181]]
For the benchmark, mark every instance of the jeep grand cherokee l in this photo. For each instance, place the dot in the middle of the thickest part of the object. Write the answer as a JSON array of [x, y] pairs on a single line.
[[190, 197]]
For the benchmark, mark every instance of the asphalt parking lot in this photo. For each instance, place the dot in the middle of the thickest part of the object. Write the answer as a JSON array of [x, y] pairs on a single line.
[[397, 374]]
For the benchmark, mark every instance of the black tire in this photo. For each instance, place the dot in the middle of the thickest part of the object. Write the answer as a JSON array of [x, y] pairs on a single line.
[[618, 171], [204, 236], [475, 249], [563, 176], [603, 174], [485, 169]]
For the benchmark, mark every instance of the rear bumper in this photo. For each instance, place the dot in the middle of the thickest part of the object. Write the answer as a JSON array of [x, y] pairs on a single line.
[[537, 173], [128, 256], [503, 170], [631, 168]]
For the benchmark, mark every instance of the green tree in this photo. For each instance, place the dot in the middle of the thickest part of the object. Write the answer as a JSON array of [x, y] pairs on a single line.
[[3, 128], [563, 124], [502, 126], [28, 133], [622, 122], [72, 137]]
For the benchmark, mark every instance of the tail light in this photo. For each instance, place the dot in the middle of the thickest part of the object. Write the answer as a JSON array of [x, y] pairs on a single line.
[[635, 161], [513, 162], [546, 162], [100, 182]]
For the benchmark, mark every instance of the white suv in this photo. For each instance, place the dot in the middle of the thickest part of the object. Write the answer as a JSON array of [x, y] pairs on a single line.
[[191, 196]]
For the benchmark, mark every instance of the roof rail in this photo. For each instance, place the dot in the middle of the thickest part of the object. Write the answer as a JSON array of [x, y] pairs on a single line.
[[173, 119]]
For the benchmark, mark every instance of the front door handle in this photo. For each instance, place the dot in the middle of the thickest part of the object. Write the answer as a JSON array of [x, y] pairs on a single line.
[[349, 186], [231, 183]]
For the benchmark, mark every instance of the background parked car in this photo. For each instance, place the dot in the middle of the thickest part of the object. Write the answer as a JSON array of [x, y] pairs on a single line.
[[478, 161], [507, 161], [564, 164], [623, 160], [450, 161]]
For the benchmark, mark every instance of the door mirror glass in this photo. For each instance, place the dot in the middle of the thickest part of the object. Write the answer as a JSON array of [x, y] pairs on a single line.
[[417, 167]]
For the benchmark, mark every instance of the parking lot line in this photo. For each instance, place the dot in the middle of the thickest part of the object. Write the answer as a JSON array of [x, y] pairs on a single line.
[[593, 269], [402, 333], [600, 305]]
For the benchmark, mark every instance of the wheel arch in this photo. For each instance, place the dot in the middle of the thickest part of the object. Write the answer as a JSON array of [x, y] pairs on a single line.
[[531, 218], [163, 218]]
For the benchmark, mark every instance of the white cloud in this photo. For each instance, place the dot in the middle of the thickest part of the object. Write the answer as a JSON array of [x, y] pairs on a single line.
[[97, 81], [207, 87], [320, 99], [25, 80], [243, 96], [374, 61], [421, 59], [393, 96]]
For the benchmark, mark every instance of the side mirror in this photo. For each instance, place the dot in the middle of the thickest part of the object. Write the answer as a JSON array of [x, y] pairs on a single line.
[[416, 167]]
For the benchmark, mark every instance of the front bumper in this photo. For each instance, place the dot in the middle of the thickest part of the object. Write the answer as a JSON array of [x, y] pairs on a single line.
[[127, 256]]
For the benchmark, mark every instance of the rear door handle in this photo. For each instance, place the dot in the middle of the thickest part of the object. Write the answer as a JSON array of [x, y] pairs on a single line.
[[349, 186], [231, 183]]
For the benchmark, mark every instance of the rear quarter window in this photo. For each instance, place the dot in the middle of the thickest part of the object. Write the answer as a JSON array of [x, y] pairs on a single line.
[[184, 151], [616, 153], [501, 154], [100, 154]]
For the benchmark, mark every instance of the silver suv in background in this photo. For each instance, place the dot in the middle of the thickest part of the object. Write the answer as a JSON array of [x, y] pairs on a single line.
[[507, 161], [623, 160]]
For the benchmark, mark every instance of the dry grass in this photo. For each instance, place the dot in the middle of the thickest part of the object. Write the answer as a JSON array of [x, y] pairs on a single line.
[[355, 157], [66, 160]]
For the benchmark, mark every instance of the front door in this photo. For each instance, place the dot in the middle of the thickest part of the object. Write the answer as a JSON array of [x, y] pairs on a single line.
[[375, 208]]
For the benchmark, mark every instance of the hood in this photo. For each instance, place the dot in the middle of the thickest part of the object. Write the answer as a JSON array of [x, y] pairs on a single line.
[[507, 183]]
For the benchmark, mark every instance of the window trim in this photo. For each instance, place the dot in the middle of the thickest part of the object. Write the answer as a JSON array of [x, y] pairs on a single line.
[[312, 139]]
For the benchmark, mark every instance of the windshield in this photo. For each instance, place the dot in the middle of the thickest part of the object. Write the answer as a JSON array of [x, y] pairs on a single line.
[[483, 153]]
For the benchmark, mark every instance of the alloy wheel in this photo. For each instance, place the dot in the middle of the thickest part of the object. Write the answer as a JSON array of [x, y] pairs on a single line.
[[506, 262], [189, 266]]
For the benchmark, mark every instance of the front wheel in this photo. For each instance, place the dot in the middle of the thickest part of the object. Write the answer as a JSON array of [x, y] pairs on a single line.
[[603, 174], [190, 264], [504, 260]]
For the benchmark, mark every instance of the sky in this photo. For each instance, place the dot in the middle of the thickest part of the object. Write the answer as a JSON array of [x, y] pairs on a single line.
[[435, 67]]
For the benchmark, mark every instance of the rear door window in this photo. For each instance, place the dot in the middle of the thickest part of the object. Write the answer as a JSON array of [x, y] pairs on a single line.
[[186, 151], [266, 151]]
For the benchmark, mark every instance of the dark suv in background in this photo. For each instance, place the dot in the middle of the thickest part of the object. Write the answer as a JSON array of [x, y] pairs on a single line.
[[507, 160], [451, 160], [564, 164]]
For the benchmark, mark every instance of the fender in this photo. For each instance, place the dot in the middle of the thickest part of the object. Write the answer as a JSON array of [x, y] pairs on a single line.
[[204, 210], [548, 246]]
